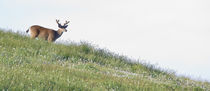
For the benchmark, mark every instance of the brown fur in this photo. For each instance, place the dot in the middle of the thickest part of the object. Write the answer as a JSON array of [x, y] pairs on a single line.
[[45, 33]]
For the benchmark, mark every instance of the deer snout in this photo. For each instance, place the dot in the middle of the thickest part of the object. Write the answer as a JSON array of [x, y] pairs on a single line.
[[65, 30]]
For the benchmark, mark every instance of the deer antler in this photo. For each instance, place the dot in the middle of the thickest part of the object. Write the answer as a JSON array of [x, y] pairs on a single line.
[[65, 24], [59, 25], [57, 21]]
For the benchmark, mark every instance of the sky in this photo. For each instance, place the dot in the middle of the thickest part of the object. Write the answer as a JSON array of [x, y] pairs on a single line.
[[172, 34]]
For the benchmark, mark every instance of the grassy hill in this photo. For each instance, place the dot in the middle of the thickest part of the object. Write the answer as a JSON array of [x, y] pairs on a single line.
[[27, 64]]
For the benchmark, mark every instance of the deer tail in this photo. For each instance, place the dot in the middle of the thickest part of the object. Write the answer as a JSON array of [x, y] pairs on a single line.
[[27, 31]]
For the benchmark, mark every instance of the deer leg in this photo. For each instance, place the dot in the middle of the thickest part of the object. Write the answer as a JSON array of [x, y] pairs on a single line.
[[50, 39], [33, 36]]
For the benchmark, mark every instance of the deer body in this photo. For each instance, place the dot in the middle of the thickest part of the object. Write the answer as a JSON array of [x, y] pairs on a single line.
[[46, 33]]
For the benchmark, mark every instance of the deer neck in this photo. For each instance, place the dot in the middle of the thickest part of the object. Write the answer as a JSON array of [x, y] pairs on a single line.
[[60, 32]]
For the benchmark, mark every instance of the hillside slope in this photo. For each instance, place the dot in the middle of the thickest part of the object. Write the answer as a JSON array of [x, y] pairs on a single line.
[[38, 65]]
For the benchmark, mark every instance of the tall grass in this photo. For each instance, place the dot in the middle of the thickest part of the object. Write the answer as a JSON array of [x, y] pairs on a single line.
[[27, 64]]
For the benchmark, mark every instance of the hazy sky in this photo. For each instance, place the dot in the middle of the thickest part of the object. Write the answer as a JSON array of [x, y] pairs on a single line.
[[174, 34]]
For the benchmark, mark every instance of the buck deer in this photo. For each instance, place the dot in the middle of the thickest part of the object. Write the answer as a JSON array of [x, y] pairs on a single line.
[[46, 33]]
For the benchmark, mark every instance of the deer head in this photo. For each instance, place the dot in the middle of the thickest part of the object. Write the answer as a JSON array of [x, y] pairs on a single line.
[[64, 26]]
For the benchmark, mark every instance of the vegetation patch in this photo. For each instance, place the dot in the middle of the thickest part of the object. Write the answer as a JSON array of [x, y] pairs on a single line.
[[30, 64]]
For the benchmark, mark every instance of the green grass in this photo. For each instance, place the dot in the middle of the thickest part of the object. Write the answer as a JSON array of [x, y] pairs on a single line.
[[27, 64]]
